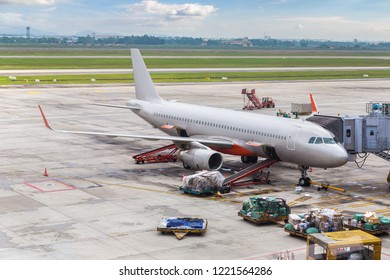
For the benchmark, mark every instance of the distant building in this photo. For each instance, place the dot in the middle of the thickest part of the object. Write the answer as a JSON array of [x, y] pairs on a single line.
[[244, 42]]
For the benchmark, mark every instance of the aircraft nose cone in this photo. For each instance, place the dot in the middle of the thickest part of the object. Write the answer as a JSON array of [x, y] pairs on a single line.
[[339, 157]]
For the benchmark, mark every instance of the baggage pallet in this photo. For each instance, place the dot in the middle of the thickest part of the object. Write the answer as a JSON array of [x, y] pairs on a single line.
[[206, 191], [373, 232], [296, 233], [180, 232], [264, 219]]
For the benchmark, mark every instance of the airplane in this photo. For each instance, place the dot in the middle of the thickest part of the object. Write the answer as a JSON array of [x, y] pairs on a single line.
[[204, 133]]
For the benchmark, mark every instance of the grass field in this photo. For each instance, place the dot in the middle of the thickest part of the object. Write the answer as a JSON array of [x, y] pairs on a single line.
[[113, 63], [198, 77], [285, 60]]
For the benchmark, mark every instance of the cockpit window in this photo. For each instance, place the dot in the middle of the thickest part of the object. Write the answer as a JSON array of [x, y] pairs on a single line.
[[320, 140], [329, 141]]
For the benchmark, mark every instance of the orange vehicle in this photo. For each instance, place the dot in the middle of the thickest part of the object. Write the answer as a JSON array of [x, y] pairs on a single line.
[[253, 101]]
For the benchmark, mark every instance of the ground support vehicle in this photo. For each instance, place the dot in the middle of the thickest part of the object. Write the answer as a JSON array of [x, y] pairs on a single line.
[[343, 245], [163, 154]]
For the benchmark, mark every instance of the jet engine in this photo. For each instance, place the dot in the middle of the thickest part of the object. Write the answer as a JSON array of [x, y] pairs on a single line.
[[201, 159]]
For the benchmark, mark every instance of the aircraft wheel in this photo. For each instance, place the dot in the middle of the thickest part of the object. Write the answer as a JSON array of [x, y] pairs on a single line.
[[253, 159], [245, 159], [302, 182]]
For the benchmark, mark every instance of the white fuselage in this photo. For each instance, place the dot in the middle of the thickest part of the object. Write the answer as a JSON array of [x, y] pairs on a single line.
[[253, 134]]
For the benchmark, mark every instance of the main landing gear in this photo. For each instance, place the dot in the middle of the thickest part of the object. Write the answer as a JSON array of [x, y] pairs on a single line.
[[304, 181], [249, 159]]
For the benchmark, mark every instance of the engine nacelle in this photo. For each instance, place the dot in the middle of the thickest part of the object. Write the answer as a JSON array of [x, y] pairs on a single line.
[[201, 159]]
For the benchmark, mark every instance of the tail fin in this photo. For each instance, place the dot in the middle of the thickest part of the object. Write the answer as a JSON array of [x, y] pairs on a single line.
[[314, 108], [144, 87]]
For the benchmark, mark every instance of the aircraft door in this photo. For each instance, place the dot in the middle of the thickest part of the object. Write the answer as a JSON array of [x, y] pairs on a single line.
[[182, 132], [371, 136], [292, 138], [349, 134]]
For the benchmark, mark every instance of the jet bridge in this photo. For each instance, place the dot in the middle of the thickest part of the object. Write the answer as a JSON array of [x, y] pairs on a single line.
[[361, 134]]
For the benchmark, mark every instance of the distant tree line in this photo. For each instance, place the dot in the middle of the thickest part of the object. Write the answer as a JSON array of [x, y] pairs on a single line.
[[146, 40]]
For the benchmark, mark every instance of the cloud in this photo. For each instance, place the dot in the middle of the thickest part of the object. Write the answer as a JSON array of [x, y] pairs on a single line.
[[152, 8], [11, 19], [27, 2], [281, 1], [299, 26], [321, 20], [50, 9]]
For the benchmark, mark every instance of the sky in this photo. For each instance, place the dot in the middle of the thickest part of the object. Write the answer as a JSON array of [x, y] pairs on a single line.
[[341, 20]]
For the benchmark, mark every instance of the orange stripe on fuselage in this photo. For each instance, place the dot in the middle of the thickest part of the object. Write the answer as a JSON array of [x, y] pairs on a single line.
[[235, 150]]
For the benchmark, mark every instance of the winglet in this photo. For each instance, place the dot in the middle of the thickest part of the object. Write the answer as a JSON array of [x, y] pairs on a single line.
[[314, 108], [44, 118]]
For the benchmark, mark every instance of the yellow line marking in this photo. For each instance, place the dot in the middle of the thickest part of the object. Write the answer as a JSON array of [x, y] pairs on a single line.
[[33, 92], [361, 204], [383, 210], [299, 199], [378, 196]]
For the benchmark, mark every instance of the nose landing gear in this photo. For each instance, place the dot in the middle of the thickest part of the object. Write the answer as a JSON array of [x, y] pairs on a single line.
[[304, 181]]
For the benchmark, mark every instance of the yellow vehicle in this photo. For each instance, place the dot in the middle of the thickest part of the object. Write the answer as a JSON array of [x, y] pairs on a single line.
[[343, 245]]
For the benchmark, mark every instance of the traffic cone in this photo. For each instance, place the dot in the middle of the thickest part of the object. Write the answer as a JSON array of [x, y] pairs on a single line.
[[45, 173]]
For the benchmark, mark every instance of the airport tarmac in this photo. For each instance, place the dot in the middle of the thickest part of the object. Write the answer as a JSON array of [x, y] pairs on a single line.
[[96, 203]]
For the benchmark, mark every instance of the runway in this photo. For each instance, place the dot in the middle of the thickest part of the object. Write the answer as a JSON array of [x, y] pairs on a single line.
[[197, 56], [188, 70], [96, 203]]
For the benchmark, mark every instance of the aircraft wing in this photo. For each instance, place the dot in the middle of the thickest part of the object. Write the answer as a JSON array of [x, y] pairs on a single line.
[[212, 141], [117, 106]]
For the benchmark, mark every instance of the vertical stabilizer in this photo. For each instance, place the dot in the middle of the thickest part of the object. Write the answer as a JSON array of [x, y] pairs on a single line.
[[314, 107], [144, 87]]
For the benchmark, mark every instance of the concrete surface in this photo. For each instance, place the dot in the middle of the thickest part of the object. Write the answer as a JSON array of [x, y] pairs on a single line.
[[97, 203]]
